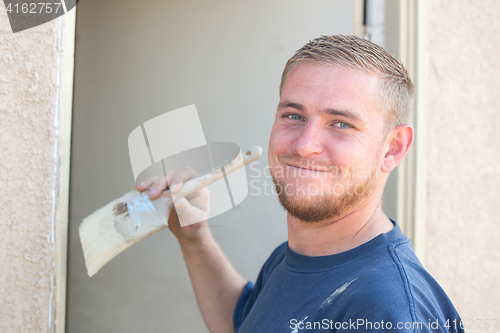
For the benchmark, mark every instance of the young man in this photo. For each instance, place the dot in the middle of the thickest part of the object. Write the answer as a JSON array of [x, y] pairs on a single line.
[[341, 126]]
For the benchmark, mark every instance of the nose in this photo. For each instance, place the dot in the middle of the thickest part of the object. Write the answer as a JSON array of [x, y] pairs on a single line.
[[309, 139]]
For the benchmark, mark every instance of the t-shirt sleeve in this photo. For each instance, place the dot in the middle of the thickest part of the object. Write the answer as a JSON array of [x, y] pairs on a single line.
[[247, 299], [239, 311]]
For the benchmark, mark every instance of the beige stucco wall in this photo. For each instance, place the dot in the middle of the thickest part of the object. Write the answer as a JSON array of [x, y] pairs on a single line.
[[464, 154], [30, 178]]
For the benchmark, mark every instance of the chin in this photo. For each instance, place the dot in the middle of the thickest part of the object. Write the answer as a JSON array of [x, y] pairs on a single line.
[[309, 202]]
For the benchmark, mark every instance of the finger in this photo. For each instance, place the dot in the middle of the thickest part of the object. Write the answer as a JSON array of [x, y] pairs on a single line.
[[168, 176], [176, 179], [158, 187], [145, 183]]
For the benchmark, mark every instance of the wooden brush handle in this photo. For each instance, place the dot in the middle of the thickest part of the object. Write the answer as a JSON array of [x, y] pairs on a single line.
[[162, 203], [191, 186]]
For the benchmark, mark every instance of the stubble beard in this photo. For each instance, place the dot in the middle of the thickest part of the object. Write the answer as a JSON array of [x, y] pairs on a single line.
[[327, 205]]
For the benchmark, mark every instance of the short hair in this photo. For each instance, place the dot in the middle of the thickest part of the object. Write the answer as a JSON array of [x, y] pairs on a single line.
[[351, 52]]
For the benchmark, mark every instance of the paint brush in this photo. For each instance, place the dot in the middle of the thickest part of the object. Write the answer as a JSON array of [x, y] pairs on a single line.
[[133, 217]]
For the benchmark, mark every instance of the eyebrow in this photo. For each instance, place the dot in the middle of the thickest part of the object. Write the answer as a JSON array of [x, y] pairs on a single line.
[[332, 112]]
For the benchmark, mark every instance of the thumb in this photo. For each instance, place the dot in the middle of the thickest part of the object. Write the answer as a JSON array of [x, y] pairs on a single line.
[[181, 206], [187, 213]]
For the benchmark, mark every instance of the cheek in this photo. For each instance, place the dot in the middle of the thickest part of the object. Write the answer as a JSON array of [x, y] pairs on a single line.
[[280, 140], [344, 151], [273, 147], [349, 152]]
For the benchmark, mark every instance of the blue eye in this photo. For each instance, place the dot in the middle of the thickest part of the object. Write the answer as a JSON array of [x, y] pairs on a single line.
[[293, 116], [341, 124]]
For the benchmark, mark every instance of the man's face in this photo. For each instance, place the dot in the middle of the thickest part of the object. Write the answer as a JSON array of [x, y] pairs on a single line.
[[326, 142]]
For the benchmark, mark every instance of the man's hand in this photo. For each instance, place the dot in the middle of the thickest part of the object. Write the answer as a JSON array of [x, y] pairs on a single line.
[[192, 210]]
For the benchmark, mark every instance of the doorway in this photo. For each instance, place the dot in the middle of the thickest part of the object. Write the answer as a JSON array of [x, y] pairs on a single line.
[[137, 60]]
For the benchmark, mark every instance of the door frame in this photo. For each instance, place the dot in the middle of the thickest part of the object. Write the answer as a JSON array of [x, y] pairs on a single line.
[[407, 38], [64, 107], [405, 35]]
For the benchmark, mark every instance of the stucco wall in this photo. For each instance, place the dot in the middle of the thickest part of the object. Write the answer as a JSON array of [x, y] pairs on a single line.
[[464, 154], [28, 94]]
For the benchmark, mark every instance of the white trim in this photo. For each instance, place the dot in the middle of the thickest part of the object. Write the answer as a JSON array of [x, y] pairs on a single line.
[[412, 177], [405, 169], [421, 125], [54, 178], [64, 106]]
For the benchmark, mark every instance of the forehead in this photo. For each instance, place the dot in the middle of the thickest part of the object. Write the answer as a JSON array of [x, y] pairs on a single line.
[[324, 86]]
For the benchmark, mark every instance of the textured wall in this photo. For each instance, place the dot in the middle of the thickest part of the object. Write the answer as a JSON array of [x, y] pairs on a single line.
[[28, 92], [464, 154]]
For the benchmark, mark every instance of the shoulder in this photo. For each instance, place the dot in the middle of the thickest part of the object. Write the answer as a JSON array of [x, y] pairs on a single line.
[[393, 286], [430, 302], [380, 288]]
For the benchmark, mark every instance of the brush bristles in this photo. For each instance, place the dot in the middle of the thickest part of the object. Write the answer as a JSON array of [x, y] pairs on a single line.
[[100, 239]]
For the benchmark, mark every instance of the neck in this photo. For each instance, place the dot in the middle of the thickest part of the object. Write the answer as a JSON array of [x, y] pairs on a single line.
[[339, 234]]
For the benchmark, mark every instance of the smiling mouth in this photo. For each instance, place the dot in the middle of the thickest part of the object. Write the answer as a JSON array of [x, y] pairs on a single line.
[[312, 169]]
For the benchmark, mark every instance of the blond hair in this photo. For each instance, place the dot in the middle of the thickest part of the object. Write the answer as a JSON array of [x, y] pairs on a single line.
[[351, 52]]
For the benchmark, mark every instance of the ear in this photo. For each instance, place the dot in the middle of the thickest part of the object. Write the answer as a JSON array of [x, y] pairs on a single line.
[[398, 142]]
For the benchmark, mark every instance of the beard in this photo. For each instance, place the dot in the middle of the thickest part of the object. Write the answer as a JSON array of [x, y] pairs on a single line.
[[327, 204]]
